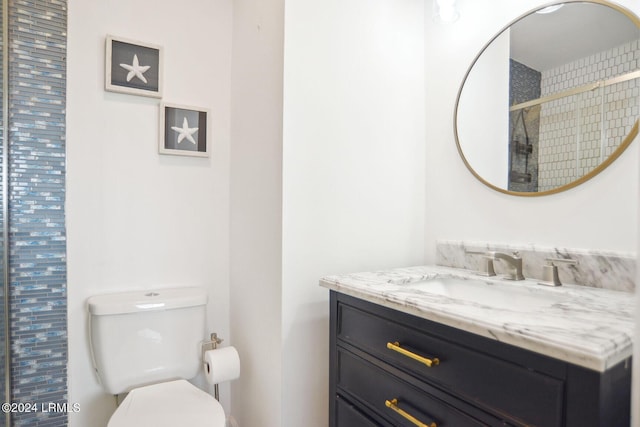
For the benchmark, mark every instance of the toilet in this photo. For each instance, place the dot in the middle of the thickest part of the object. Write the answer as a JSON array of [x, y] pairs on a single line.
[[147, 344]]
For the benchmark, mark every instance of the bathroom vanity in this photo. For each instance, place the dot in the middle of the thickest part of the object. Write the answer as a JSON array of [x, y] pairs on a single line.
[[435, 346]]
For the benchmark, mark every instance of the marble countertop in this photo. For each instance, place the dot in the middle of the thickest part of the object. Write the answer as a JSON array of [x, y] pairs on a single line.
[[585, 326]]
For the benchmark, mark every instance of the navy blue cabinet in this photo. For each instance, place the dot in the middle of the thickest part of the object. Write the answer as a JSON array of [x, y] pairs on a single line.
[[389, 368]]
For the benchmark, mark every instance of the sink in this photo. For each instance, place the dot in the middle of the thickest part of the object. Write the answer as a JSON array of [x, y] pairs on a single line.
[[480, 292]]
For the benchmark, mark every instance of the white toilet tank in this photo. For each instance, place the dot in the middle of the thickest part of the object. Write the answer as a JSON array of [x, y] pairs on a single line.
[[144, 337]]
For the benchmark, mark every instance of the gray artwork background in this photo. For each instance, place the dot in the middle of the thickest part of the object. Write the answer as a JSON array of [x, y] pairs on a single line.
[[122, 53], [175, 117]]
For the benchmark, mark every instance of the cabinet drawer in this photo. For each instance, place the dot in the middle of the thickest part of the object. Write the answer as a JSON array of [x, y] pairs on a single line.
[[373, 387], [500, 387], [347, 415]]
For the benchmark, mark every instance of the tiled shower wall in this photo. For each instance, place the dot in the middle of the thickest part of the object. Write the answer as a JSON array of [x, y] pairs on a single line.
[[37, 242], [524, 126], [578, 132]]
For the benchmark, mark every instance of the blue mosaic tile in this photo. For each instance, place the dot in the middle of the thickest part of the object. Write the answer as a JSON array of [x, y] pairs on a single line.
[[37, 235]]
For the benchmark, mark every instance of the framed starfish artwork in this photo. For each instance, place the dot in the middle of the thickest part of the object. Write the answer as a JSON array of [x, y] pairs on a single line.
[[183, 130], [133, 67]]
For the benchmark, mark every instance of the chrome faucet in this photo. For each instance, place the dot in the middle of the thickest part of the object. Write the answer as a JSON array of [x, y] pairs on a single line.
[[514, 262]]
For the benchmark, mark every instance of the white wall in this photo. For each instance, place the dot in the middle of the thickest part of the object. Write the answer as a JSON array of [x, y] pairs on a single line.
[[601, 214], [256, 209], [353, 172], [117, 207], [483, 114], [340, 188], [136, 219]]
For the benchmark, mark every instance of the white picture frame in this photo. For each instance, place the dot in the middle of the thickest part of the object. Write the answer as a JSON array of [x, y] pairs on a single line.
[[133, 67], [184, 130]]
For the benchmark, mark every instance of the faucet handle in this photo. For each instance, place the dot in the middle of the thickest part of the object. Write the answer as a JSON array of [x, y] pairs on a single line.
[[550, 275], [486, 268]]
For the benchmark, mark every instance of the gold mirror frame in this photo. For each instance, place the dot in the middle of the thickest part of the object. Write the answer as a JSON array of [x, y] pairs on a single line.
[[602, 166]]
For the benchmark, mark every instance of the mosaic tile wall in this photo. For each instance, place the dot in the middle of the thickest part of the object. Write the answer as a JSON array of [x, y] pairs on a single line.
[[3, 353], [37, 240], [571, 128], [524, 127]]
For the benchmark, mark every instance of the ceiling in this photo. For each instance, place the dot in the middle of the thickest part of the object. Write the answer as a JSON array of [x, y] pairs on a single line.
[[577, 30]]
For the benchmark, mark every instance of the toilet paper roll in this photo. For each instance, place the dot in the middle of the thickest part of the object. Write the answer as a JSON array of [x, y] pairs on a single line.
[[222, 364]]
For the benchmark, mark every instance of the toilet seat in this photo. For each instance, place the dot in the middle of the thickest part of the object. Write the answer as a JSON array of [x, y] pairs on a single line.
[[169, 404]]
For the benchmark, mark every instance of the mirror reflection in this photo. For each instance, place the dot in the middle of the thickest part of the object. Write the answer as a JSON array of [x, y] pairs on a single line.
[[552, 99]]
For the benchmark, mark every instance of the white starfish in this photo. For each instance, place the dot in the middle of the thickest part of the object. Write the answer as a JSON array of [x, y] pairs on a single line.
[[135, 69], [185, 132]]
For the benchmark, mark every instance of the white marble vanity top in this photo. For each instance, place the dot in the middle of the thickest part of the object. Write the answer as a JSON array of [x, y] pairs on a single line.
[[585, 326]]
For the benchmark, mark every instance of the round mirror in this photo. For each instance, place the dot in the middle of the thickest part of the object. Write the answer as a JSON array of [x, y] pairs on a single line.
[[552, 99]]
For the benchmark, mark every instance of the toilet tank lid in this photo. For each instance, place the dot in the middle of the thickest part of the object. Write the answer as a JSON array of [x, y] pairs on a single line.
[[146, 300]]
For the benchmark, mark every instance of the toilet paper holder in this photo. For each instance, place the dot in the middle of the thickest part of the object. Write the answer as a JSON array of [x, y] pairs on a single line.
[[212, 344]]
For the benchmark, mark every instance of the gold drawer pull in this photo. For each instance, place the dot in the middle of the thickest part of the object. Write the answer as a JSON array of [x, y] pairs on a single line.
[[393, 404], [395, 346]]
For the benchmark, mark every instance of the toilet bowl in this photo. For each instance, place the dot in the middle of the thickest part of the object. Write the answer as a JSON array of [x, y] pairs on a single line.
[[147, 344], [170, 404]]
